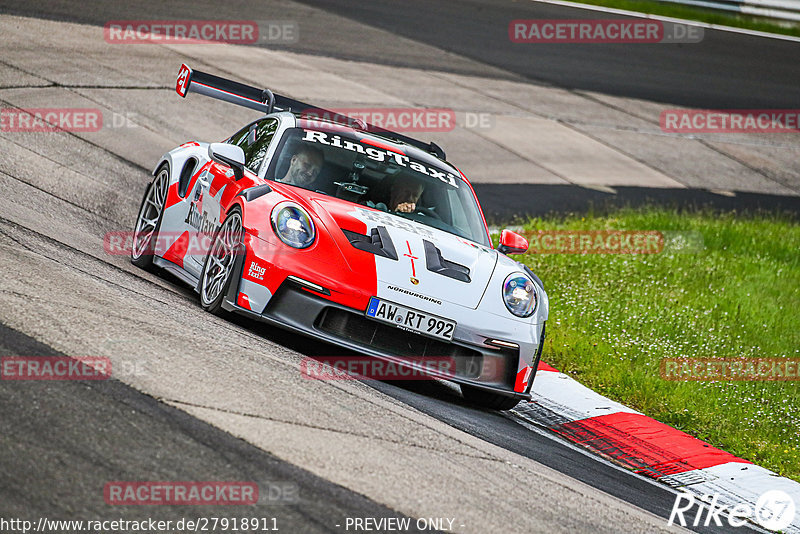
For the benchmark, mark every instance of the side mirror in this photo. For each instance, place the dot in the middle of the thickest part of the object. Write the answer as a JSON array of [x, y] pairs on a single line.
[[230, 155], [512, 243]]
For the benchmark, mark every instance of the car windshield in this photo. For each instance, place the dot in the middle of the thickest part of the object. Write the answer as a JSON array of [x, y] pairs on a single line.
[[373, 173]]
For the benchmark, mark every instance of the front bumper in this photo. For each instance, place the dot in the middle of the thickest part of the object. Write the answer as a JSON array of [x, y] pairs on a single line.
[[301, 310]]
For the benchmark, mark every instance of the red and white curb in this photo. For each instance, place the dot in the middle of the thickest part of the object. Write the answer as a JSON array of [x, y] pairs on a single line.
[[648, 447]]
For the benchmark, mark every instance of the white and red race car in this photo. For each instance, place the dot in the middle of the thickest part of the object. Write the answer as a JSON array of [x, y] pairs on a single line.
[[359, 236]]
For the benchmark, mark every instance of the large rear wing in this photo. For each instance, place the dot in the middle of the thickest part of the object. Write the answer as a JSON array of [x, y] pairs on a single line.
[[264, 100]]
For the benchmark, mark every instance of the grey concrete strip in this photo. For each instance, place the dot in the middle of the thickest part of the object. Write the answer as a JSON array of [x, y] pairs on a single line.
[[499, 473], [485, 158], [168, 119], [429, 88], [11, 76], [543, 142], [531, 133], [698, 165], [115, 138], [63, 441], [76, 54], [752, 162], [779, 162], [575, 157], [523, 98]]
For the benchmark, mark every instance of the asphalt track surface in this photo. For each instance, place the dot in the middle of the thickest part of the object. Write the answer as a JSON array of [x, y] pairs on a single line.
[[729, 70], [76, 436], [725, 71], [84, 434], [92, 432]]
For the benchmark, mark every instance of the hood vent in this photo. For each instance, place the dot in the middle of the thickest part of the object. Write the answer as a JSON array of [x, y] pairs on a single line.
[[437, 264], [377, 242]]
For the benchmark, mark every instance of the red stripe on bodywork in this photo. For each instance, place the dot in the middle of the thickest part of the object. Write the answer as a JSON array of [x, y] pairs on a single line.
[[172, 193], [177, 251], [412, 258], [545, 367], [228, 194], [218, 181], [522, 383], [172, 196], [643, 444], [244, 301]]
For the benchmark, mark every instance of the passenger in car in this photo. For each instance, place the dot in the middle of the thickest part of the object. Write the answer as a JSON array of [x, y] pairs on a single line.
[[404, 195]]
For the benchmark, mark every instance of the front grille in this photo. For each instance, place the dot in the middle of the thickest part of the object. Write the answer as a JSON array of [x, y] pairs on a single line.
[[397, 342]]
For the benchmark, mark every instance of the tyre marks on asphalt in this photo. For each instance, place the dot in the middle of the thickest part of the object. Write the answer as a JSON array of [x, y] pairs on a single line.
[[62, 441]]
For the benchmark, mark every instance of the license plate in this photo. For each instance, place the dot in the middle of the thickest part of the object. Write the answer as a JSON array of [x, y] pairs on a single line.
[[410, 319]]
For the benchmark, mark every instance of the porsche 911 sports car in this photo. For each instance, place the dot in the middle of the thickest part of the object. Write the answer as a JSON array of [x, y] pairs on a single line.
[[349, 233]]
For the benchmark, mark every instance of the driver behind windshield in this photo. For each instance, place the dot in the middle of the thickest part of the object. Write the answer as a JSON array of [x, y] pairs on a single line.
[[304, 166], [404, 195]]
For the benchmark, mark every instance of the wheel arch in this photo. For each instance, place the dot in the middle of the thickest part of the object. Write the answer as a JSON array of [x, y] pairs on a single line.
[[177, 158], [165, 159], [235, 203]]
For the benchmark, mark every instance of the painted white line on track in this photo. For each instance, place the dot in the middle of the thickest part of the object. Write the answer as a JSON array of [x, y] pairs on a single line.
[[625, 12], [568, 397]]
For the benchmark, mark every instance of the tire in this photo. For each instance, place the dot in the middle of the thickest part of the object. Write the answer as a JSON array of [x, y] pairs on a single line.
[[218, 267], [148, 222], [487, 399]]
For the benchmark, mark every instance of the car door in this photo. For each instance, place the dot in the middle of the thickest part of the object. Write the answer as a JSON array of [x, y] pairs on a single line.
[[217, 186]]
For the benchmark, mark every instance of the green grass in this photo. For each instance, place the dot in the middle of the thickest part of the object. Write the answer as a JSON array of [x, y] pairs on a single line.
[[614, 317], [699, 14]]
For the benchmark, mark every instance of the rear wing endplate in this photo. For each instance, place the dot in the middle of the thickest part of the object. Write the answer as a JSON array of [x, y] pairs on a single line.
[[194, 81]]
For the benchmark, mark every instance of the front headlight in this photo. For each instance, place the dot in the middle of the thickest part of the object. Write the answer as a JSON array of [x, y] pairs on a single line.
[[519, 294], [293, 225]]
